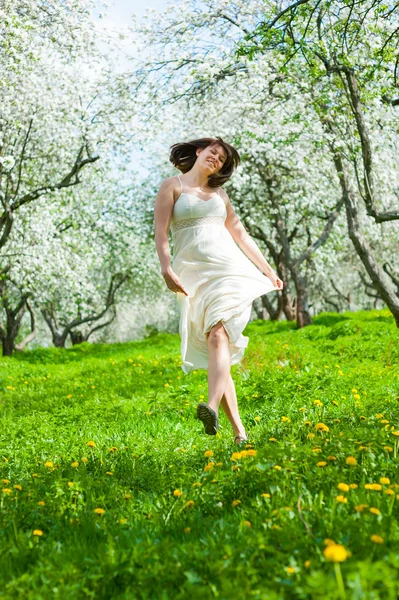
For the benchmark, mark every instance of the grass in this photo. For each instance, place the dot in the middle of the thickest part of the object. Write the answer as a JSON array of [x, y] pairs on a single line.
[[185, 515]]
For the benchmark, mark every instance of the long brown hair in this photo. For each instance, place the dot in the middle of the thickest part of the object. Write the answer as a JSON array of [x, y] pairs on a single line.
[[183, 156]]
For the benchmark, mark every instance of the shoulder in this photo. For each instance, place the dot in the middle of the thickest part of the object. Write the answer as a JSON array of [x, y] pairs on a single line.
[[224, 195], [170, 187]]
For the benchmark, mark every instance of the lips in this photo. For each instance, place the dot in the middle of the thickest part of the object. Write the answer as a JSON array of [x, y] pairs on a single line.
[[212, 163]]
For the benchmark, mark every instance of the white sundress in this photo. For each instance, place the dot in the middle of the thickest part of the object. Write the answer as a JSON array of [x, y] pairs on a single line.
[[222, 282]]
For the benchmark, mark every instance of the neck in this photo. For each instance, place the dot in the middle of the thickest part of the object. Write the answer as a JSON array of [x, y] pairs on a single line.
[[197, 177]]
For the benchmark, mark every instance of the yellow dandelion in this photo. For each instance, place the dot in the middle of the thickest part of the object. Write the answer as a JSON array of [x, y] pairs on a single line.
[[189, 504], [91, 444], [70, 483], [248, 523], [208, 453], [361, 507], [177, 493], [336, 553], [277, 467], [18, 487], [376, 487], [113, 449], [187, 529], [389, 492], [84, 460], [75, 464], [341, 498], [375, 511], [272, 439], [235, 503], [99, 511], [285, 419], [38, 532], [209, 466], [343, 487], [6, 491], [236, 456], [251, 452], [388, 448], [353, 486], [48, 464], [331, 458], [257, 418], [265, 495], [321, 463], [307, 564], [351, 460], [321, 427], [310, 436], [385, 480], [290, 570], [377, 539], [41, 503]]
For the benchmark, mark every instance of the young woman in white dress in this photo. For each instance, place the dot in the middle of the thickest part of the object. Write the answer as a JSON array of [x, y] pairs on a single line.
[[217, 270]]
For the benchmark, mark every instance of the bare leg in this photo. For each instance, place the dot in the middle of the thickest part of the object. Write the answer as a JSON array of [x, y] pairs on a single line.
[[218, 365], [230, 407], [221, 389]]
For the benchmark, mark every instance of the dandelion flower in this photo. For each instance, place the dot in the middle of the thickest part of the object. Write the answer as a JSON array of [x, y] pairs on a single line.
[[189, 504], [235, 503], [84, 460], [344, 487], [285, 419], [321, 463], [322, 427], [236, 456], [377, 539], [177, 493], [91, 444], [209, 466], [18, 487], [290, 570], [265, 495], [375, 511], [187, 529], [38, 532], [385, 480], [353, 486], [251, 452], [75, 464], [48, 464], [208, 453], [41, 503], [307, 564], [342, 499], [351, 460], [257, 418], [248, 523], [336, 553], [99, 511], [376, 487], [361, 507], [6, 491]]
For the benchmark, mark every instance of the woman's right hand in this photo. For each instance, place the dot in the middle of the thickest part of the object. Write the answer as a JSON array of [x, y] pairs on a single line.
[[173, 282]]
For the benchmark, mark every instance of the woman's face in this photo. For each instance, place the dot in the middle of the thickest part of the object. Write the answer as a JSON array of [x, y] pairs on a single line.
[[212, 158]]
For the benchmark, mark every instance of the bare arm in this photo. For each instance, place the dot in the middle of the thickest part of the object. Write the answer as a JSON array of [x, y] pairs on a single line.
[[163, 209], [246, 243]]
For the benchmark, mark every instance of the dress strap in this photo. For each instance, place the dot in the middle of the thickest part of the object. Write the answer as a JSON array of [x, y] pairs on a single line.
[[181, 185]]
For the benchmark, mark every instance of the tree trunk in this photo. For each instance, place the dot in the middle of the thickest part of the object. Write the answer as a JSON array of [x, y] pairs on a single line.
[[380, 280], [76, 337]]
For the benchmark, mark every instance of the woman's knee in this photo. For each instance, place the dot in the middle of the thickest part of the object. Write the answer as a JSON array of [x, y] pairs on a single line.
[[217, 334]]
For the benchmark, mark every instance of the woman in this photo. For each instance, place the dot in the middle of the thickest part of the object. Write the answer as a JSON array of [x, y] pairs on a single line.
[[215, 281]]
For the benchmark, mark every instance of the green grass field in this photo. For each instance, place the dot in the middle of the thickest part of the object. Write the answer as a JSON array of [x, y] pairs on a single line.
[[110, 488]]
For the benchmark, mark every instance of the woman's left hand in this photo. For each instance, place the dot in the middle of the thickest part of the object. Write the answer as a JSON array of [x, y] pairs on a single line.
[[276, 281]]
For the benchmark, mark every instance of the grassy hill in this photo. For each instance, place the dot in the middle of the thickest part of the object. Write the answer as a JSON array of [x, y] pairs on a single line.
[[110, 488]]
